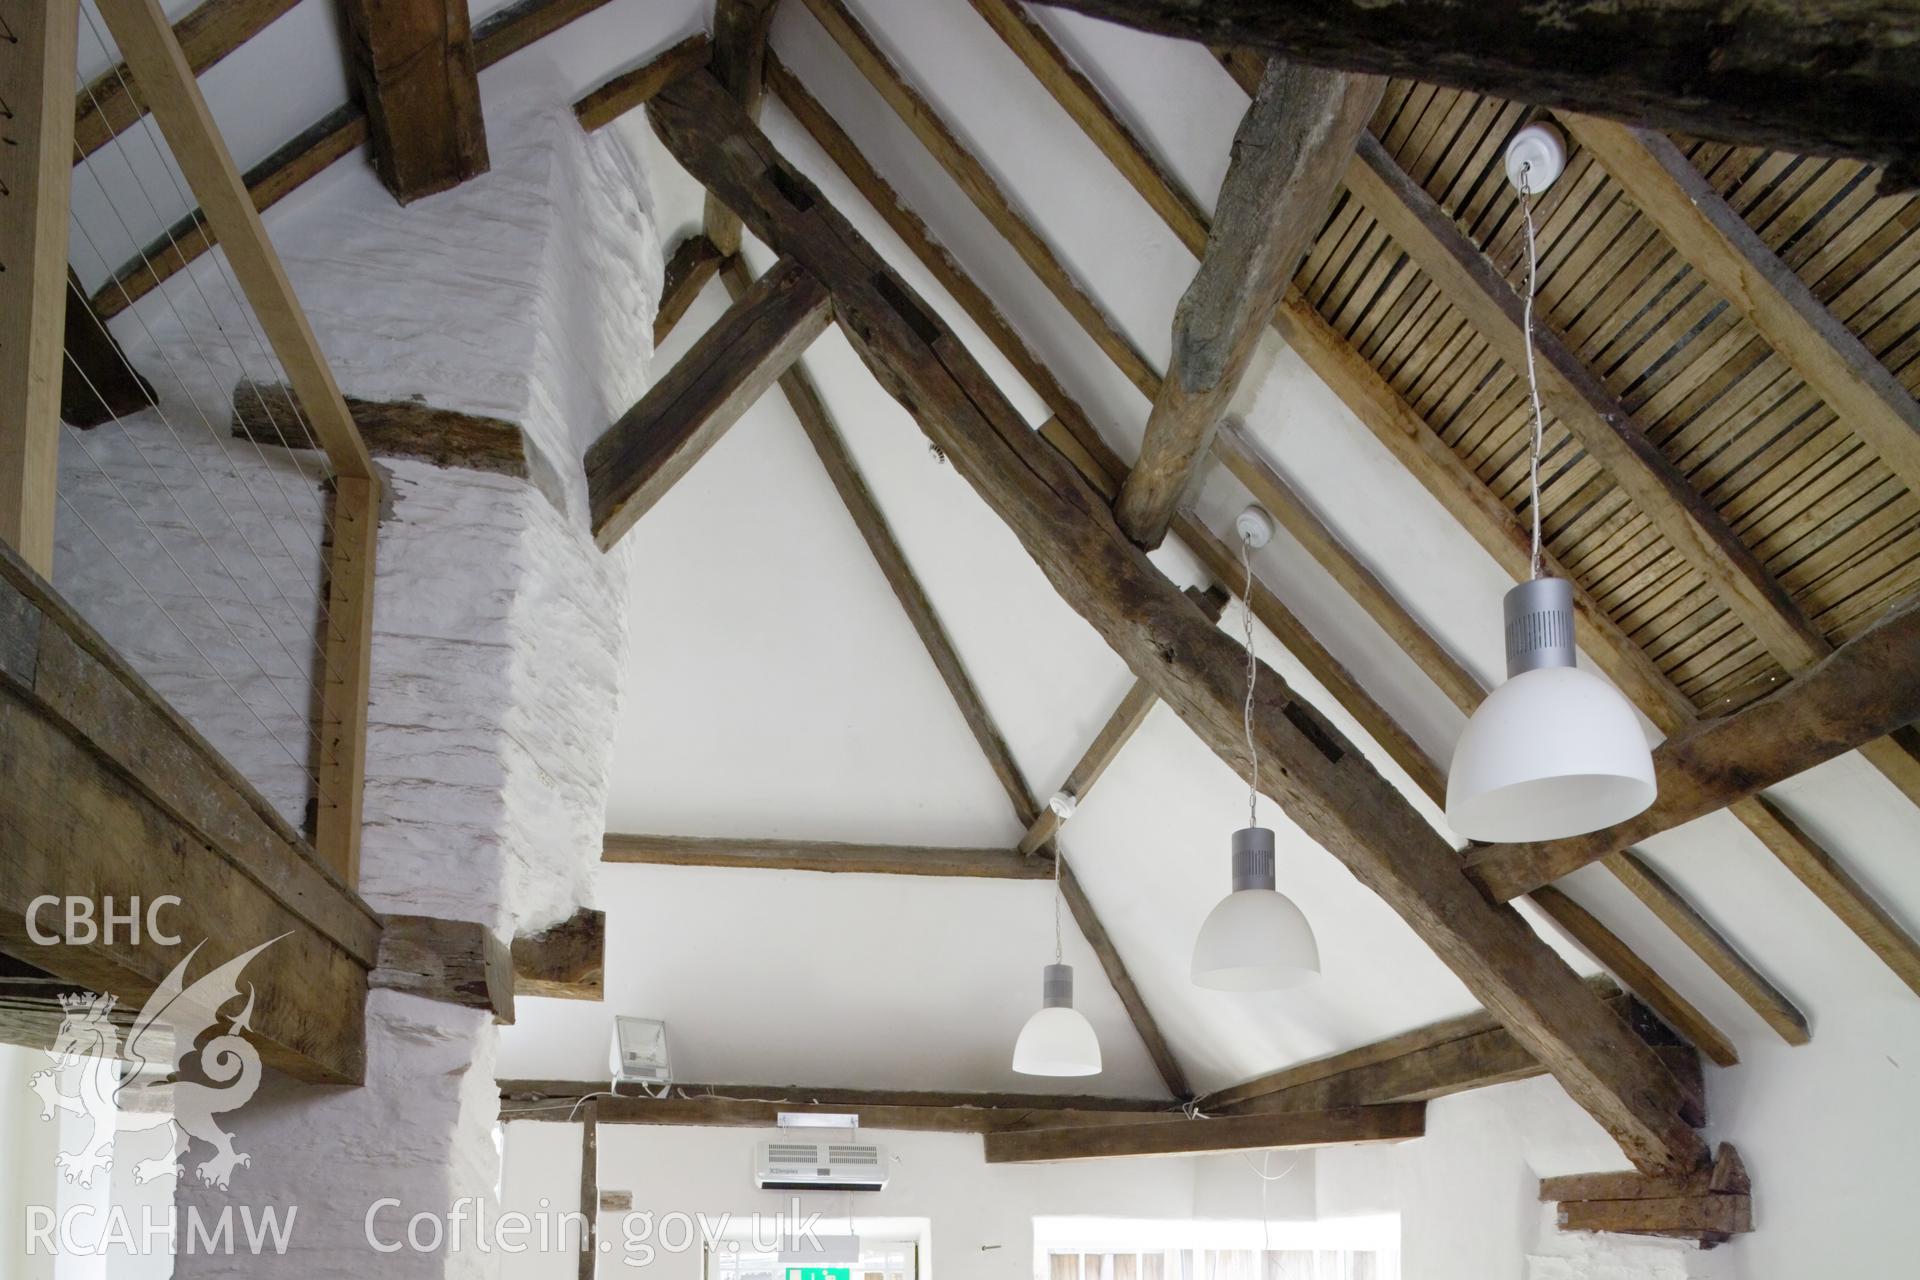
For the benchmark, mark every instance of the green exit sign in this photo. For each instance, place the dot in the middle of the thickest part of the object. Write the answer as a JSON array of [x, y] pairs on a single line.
[[819, 1273]]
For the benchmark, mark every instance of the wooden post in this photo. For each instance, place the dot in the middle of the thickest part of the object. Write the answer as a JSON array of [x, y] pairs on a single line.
[[36, 169], [589, 1189], [167, 84]]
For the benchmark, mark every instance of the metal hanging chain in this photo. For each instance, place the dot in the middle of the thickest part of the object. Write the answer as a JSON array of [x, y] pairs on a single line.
[[1253, 673], [1533, 379]]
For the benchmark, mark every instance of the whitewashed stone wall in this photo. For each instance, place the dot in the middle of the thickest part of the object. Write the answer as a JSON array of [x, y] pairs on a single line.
[[499, 628]]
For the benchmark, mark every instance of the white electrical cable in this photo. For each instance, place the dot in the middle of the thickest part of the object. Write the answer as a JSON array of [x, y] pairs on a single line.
[[1059, 857], [1533, 378], [1253, 672]]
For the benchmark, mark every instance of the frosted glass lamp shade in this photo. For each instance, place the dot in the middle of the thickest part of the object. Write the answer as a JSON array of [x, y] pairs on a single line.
[[1555, 751], [1551, 753], [1057, 1040], [1256, 939]]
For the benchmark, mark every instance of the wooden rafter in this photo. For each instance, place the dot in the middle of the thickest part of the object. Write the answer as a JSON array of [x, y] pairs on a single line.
[[979, 185], [419, 84], [1074, 435], [340, 133], [38, 63], [1326, 786], [738, 62], [104, 786], [694, 261], [632, 88], [1132, 711], [1469, 1052], [636, 460], [1345, 1126], [759, 1106], [265, 414], [1869, 686], [110, 102], [822, 855], [1836, 83], [1291, 148], [98, 382], [1083, 102]]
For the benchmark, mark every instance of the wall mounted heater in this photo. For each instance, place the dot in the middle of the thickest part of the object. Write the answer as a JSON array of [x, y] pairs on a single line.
[[820, 1166]]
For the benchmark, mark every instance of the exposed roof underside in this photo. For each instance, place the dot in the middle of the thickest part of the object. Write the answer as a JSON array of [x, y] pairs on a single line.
[[776, 688]]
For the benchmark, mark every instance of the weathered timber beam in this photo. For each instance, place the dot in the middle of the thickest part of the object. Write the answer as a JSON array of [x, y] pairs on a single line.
[[1606, 947], [457, 962], [631, 89], [36, 65], [1325, 785], [565, 961], [1459, 1054], [805, 400], [1469, 1052], [340, 133], [98, 383], [1289, 153], [587, 1266], [822, 855], [1727, 1175], [1573, 394], [414, 63], [265, 413], [1838, 82], [106, 790], [694, 261], [979, 186], [1346, 1126], [1869, 687], [759, 1106], [110, 102], [1139, 702], [739, 63], [351, 547], [1073, 434], [686, 412], [1708, 1219]]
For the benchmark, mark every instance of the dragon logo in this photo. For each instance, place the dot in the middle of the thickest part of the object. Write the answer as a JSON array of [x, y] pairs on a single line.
[[88, 1052]]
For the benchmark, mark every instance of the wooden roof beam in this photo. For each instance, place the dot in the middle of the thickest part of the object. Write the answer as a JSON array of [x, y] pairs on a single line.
[[631, 89], [1323, 784], [564, 961], [1341, 1127], [752, 1106], [694, 261], [738, 62], [1765, 76], [105, 788], [414, 64], [1288, 156], [823, 855], [640, 457], [1869, 686], [98, 383]]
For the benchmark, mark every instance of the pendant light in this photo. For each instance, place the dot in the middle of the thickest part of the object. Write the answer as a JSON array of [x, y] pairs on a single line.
[[1057, 1040], [1256, 939], [1555, 751]]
